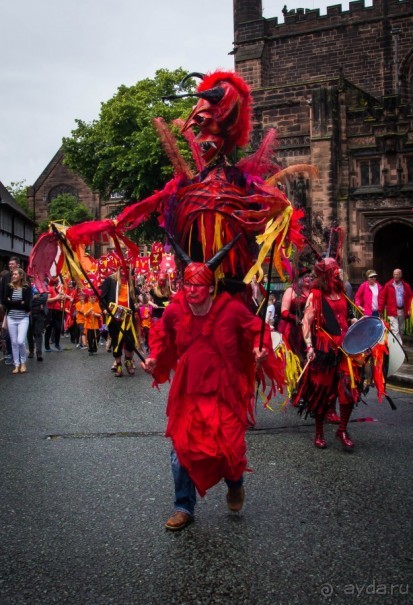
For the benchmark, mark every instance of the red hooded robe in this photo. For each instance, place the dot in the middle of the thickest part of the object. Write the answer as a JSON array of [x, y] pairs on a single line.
[[211, 400]]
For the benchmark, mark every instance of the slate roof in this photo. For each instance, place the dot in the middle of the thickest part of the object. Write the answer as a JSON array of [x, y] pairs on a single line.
[[7, 198]]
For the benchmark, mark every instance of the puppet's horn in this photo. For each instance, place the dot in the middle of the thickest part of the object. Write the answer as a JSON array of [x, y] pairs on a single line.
[[217, 259], [186, 260]]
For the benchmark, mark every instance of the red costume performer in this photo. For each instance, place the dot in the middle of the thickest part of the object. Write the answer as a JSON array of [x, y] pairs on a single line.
[[213, 346], [330, 374]]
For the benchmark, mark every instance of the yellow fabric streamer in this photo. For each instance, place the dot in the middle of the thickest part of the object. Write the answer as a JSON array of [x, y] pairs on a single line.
[[292, 369], [264, 399], [276, 229]]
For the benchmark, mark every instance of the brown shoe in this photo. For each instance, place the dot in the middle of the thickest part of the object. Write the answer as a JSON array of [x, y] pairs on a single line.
[[235, 498], [178, 521], [16, 370], [23, 368]]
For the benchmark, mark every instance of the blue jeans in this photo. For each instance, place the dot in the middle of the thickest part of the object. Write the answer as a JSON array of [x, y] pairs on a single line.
[[185, 494]]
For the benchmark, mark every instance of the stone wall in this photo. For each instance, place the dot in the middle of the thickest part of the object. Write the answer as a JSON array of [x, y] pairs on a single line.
[[338, 88]]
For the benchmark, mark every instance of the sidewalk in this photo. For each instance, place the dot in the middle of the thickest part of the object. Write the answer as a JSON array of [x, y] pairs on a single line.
[[404, 376]]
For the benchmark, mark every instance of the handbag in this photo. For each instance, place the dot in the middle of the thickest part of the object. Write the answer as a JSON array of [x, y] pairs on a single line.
[[4, 323]]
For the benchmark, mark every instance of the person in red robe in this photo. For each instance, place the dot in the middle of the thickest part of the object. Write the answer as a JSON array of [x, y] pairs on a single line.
[[330, 373], [213, 344]]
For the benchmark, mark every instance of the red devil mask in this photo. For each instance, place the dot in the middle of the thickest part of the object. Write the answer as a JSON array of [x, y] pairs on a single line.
[[222, 116]]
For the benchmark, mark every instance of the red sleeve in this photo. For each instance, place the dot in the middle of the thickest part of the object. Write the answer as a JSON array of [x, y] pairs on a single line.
[[273, 367], [162, 345]]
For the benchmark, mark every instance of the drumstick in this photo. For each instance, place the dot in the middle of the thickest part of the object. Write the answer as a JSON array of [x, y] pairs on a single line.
[[302, 373]]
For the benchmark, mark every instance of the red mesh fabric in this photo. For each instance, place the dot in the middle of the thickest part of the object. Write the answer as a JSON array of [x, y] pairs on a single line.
[[198, 274]]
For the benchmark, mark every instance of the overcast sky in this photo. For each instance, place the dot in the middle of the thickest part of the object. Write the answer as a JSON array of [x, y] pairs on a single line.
[[60, 59]]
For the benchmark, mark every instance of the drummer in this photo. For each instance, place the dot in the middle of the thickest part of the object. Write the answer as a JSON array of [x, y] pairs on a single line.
[[118, 300], [327, 376]]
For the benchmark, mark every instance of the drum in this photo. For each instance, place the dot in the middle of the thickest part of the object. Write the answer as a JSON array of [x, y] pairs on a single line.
[[396, 354], [276, 339], [363, 336], [119, 312]]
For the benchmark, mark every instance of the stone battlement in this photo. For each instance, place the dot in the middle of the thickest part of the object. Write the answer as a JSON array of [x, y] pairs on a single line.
[[299, 20]]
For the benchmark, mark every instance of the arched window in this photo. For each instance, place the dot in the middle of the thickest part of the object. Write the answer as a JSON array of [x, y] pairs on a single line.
[[406, 74], [59, 189]]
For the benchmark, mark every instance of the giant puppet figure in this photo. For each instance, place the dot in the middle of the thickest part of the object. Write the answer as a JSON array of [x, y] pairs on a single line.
[[213, 345], [226, 197]]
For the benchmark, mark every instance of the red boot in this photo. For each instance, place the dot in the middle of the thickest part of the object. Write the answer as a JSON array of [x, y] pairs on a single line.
[[319, 441], [344, 437]]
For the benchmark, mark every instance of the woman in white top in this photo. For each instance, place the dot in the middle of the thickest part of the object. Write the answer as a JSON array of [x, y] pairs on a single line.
[[18, 304]]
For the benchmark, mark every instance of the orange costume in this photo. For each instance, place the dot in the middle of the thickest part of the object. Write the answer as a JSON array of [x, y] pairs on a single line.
[[93, 315]]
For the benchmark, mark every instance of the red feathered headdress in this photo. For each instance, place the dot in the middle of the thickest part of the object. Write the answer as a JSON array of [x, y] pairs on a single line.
[[222, 114]]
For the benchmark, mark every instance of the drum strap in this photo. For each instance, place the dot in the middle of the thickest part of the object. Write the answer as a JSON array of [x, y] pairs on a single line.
[[332, 325]]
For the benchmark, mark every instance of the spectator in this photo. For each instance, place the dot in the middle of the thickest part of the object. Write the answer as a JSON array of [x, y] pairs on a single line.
[[17, 301], [395, 298], [367, 296], [37, 322], [270, 315], [14, 263]]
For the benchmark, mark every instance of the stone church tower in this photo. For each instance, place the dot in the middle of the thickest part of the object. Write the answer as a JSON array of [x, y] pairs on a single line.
[[339, 90]]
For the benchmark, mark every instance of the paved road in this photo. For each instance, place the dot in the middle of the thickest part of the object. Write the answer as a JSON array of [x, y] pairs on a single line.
[[85, 488]]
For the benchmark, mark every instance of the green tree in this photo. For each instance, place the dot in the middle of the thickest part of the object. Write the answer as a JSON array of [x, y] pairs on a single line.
[[19, 192], [121, 152], [67, 209]]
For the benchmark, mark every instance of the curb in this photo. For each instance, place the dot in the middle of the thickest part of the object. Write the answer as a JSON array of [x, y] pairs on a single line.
[[401, 379]]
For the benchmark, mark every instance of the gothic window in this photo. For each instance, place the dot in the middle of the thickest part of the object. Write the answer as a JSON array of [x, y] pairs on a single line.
[[59, 189], [370, 172], [406, 74]]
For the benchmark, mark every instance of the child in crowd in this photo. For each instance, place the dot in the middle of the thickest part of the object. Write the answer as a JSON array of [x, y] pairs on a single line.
[[145, 318], [80, 321], [93, 318]]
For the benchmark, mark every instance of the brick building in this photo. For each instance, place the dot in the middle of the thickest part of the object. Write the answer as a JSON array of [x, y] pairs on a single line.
[[56, 179], [339, 90]]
